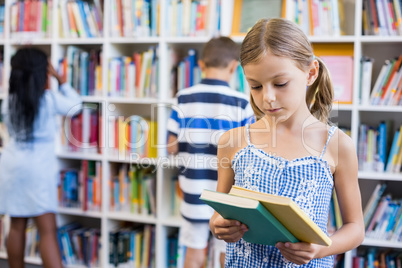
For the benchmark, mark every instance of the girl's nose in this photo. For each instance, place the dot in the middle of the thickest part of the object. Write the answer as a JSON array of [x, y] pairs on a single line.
[[269, 95]]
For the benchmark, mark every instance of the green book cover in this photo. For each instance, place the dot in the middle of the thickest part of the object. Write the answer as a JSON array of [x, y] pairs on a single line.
[[263, 228]]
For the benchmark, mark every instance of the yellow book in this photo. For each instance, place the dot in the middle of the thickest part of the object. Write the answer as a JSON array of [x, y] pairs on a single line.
[[153, 139], [327, 49], [338, 216], [397, 153], [398, 164], [146, 244], [288, 214], [138, 248]]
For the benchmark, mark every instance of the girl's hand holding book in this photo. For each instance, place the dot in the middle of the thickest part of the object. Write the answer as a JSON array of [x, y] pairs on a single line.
[[228, 230], [299, 253]]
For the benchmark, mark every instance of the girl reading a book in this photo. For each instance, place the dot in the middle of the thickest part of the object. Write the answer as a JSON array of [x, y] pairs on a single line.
[[291, 150], [28, 164]]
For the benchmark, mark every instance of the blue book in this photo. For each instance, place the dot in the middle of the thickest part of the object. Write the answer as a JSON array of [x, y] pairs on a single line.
[[192, 59], [63, 257], [84, 62], [132, 245], [90, 192], [116, 194], [263, 227], [154, 17], [394, 151], [382, 145], [21, 14], [84, 18], [372, 203], [394, 209]]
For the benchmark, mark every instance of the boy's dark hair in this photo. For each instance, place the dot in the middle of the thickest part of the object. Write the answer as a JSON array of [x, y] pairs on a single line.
[[27, 84], [219, 52]]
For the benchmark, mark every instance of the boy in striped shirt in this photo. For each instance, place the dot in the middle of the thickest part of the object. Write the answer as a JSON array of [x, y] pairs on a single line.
[[202, 114]]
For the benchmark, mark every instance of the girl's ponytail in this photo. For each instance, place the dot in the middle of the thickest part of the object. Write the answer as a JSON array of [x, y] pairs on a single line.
[[320, 94]]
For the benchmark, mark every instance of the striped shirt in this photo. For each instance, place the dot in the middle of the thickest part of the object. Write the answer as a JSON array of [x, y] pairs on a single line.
[[203, 113]]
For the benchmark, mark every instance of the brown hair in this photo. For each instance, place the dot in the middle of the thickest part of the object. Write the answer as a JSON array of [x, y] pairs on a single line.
[[284, 38], [219, 52]]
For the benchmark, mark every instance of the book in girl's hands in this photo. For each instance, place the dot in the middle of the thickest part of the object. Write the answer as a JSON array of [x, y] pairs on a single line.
[[263, 228], [287, 215]]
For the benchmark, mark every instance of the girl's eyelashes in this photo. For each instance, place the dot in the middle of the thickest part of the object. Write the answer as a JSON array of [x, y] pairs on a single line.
[[256, 87], [281, 85]]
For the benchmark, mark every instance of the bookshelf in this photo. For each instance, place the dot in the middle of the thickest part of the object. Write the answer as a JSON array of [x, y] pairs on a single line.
[[114, 45]]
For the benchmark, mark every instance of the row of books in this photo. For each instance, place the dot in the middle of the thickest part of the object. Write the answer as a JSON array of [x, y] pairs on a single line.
[[132, 247], [186, 72], [82, 70], [176, 196], [81, 130], [79, 245], [31, 16], [317, 18], [383, 215], [31, 236], [378, 150], [334, 218], [373, 258], [81, 188], [387, 89], [193, 17], [139, 18], [133, 136], [32, 240], [134, 77], [382, 17], [175, 253], [133, 190], [80, 18]]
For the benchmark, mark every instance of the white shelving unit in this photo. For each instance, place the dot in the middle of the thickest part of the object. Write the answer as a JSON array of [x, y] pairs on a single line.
[[351, 116]]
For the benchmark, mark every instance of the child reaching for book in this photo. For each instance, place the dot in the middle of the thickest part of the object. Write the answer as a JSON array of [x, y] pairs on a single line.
[[291, 150], [28, 164]]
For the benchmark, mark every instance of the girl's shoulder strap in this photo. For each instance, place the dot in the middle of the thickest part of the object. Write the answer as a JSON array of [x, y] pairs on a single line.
[[331, 132], [248, 134]]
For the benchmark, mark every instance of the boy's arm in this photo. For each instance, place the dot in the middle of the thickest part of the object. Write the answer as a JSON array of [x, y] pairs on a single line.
[[172, 144], [173, 126], [227, 230]]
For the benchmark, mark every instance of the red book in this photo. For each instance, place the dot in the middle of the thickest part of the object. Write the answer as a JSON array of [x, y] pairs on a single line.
[[128, 136], [85, 184], [32, 16], [375, 16], [137, 63], [100, 136], [119, 8], [393, 73], [93, 136], [75, 137], [27, 13]]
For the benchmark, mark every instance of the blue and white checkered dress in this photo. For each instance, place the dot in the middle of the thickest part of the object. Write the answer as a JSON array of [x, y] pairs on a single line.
[[307, 180]]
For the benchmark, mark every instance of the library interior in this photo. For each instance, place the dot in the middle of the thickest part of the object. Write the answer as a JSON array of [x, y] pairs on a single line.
[[118, 188]]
